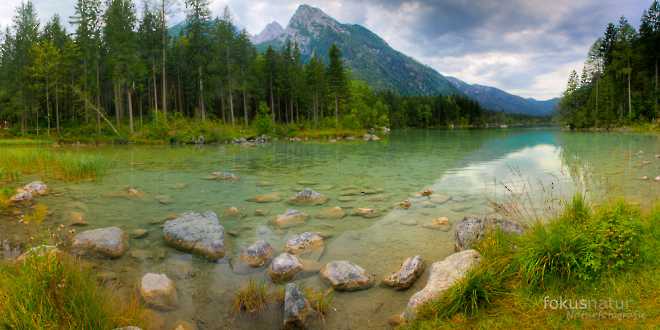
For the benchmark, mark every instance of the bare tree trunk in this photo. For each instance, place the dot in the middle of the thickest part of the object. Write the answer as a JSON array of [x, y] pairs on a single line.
[[153, 79], [98, 98], [178, 89], [57, 110], [47, 106], [245, 109], [140, 108], [201, 94], [629, 98], [231, 105], [130, 109], [222, 106], [272, 99], [116, 96], [336, 111], [163, 79]]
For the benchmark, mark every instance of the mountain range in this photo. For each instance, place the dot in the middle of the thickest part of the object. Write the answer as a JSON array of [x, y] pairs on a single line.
[[372, 59]]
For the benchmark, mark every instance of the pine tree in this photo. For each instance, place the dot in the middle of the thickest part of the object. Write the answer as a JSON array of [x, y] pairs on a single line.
[[337, 82]]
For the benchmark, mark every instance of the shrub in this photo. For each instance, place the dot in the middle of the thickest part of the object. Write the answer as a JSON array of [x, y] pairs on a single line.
[[263, 123], [53, 291]]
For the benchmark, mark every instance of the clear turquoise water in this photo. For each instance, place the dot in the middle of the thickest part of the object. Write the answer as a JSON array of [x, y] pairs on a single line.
[[535, 167]]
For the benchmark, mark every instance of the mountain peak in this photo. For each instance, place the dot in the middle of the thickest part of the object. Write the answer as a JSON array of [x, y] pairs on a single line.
[[306, 16], [270, 32]]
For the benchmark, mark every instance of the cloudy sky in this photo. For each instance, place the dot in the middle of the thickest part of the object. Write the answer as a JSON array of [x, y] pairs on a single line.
[[526, 47]]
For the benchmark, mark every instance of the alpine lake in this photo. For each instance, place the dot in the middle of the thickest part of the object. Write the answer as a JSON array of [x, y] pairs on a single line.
[[470, 172]]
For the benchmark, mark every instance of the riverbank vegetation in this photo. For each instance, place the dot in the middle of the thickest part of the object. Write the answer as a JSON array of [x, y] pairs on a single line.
[[586, 255], [50, 290], [123, 76], [619, 82], [50, 164]]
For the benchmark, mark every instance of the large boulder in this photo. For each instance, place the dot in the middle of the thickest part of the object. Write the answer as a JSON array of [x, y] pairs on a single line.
[[443, 275], [472, 229], [305, 242], [308, 197], [290, 218], [109, 242], [346, 276], [201, 234], [296, 307], [158, 291], [411, 269], [257, 254], [284, 267]]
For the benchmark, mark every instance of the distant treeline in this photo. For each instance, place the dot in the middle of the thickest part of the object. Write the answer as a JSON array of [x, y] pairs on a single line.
[[619, 83], [117, 69]]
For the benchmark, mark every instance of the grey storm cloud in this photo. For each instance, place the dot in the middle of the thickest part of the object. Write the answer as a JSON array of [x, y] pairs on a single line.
[[526, 47]]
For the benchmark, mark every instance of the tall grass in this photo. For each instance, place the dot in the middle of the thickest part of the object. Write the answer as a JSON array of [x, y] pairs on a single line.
[[584, 249], [53, 291], [48, 164]]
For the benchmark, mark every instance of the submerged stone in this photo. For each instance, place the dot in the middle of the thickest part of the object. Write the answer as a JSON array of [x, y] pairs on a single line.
[[308, 197], [366, 212], [290, 218], [266, 198], [284, 267], [305, 242], [346, 276], [104, 242], [257, 254], [411, 269], [201, 234], [331, 213], [158, 291]]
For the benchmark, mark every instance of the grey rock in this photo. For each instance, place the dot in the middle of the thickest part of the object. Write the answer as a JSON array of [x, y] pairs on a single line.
[[284, 267], [411, 269], [308, 197], [257, 254], [201, 234], [303, 243], [443, 275], [104, 242], [158, 291], [296, 307], [346, 276], [471, 229]]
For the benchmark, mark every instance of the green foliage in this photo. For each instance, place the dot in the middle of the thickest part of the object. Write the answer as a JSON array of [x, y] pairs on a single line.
[[579, 251], [263, 123], [619, 81], [47, 164], [49, 290]]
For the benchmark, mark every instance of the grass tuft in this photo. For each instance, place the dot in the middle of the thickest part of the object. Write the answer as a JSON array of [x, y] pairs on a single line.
[[251, 298], [54, 291]]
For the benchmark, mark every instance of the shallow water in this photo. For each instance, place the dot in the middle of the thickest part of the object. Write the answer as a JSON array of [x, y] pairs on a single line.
[[535, 167]]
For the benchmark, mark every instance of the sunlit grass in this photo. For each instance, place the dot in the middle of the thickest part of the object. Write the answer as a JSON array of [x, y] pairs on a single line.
[[51, 290], [251, 298], [49, 164]]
